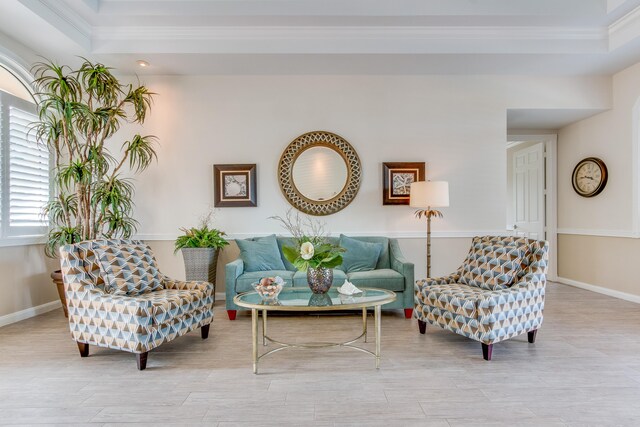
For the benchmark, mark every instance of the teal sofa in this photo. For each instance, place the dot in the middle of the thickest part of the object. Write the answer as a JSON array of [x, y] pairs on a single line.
[[393, 272]]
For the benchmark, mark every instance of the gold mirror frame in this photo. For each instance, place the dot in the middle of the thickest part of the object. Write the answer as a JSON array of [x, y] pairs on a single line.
[[319, 139]]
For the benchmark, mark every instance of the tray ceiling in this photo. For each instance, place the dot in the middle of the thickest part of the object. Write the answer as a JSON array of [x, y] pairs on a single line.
[[334, 36]]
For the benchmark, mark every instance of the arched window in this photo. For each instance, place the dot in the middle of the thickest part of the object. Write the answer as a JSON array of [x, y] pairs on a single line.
[[24, 163]]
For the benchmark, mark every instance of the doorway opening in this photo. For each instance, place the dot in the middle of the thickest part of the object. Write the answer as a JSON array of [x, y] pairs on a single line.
[[531, 190]]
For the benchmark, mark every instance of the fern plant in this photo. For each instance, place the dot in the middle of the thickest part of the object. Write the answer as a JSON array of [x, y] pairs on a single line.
[[202, 236], [79, 111]]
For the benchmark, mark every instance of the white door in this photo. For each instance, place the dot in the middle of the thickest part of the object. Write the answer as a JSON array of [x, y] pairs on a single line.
[[528, 192]]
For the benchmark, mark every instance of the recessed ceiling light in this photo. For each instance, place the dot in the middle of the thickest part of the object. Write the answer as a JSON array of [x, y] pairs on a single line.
[[142, 63]]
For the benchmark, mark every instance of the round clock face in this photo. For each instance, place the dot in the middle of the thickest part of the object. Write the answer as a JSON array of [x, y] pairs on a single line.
[[589, 177]]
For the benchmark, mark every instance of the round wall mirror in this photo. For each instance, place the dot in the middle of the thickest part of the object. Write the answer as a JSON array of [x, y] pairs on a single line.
[[319, 173]]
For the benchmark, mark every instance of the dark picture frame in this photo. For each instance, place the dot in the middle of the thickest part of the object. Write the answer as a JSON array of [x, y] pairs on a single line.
[[235, 185], [396, 181]]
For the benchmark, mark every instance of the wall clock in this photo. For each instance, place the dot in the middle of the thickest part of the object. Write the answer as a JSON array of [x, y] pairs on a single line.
[[589, 177]]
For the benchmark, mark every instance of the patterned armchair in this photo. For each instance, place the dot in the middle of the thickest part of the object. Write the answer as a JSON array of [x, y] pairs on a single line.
[[118, 299], [496, 294]]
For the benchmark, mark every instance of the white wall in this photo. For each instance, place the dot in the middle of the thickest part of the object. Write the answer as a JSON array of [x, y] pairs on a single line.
[[590, 228], [24, 270], [455, 124]]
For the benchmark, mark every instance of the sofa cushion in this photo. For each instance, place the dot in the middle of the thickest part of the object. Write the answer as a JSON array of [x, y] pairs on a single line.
[[244, 281], [359, 255], [492, 265], [383, 278], [384, 260], [456, 298], [128, 269], [260, 254], [300, 278]]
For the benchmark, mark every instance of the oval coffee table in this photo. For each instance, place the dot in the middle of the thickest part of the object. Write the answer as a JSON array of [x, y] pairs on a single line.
[[301, 299]]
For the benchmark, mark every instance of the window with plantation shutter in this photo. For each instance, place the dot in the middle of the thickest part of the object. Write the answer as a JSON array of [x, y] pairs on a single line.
[[28, 172], [25, 170]]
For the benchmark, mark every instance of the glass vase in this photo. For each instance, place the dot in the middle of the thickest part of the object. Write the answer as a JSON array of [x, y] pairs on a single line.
[[319, 279]]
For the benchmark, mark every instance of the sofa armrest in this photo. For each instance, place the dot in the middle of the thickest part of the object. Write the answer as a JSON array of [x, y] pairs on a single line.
[[205, 287], [400, 264], [232, 271]]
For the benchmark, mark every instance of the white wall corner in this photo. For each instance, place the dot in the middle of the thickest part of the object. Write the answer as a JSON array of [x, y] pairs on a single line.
[[635, 170], [29, 312], [600, 290]]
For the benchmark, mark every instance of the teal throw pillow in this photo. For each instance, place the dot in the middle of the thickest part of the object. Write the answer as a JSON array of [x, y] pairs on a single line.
[[360, 256], [260, 254]]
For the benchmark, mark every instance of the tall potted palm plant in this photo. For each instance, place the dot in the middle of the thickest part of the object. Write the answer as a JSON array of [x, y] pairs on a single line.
[[79, 111]]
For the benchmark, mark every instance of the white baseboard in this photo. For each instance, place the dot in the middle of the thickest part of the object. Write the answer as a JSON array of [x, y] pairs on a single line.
[[599, 289], [221, 296], [29, 312]]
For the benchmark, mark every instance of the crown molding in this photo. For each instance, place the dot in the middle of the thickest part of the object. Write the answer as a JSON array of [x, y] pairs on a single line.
[[348, 32], [624, 29], [64, 19], [348, 39]]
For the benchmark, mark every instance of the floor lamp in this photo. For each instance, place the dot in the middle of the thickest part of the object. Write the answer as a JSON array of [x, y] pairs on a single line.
[[428, 195]]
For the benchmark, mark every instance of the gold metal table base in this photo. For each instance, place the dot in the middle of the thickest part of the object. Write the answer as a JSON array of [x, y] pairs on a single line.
[[283, 345]]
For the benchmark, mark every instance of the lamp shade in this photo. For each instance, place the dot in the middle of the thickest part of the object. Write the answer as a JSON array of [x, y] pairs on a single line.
[[429, 194]]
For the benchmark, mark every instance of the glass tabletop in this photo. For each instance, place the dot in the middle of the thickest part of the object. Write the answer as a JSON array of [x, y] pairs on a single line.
[[302, 299]]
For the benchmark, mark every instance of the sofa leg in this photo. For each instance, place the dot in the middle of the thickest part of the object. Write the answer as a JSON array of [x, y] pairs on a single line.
[[408, 313], [532, 335], [231, 314], [204, 331], [422, 326], [141, 360], [487, 349], [84, 349]]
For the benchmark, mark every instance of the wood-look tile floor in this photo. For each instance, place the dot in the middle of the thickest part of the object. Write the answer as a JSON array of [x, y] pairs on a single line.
[[584, 369]]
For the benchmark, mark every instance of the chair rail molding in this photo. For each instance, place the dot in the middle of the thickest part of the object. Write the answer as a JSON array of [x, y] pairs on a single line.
[[629, 234], [464, 234]]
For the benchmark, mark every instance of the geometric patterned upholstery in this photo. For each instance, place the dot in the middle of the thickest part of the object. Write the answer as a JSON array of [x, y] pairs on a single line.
[[482, 314], [133, 323], [129, 269], [492, 264]]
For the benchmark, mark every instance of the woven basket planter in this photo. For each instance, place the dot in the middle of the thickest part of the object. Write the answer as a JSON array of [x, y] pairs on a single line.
[[200, 264]]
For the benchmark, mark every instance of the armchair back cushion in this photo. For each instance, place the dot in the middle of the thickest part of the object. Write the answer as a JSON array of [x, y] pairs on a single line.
[[260, 254], [493, 263], [129, 269]]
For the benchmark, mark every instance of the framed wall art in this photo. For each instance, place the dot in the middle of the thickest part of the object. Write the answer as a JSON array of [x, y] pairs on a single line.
[[234, 185], [396, 181]]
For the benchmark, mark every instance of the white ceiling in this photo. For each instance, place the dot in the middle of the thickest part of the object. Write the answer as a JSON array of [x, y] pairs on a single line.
[[400, 37], [334, 36]]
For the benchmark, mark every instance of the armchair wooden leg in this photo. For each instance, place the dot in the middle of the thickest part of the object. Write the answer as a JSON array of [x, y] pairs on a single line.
[[231, 314], [408, 313], [487, 349], [422, 326], [141, 360], [204, 331], [532, 335], [84, 349]]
